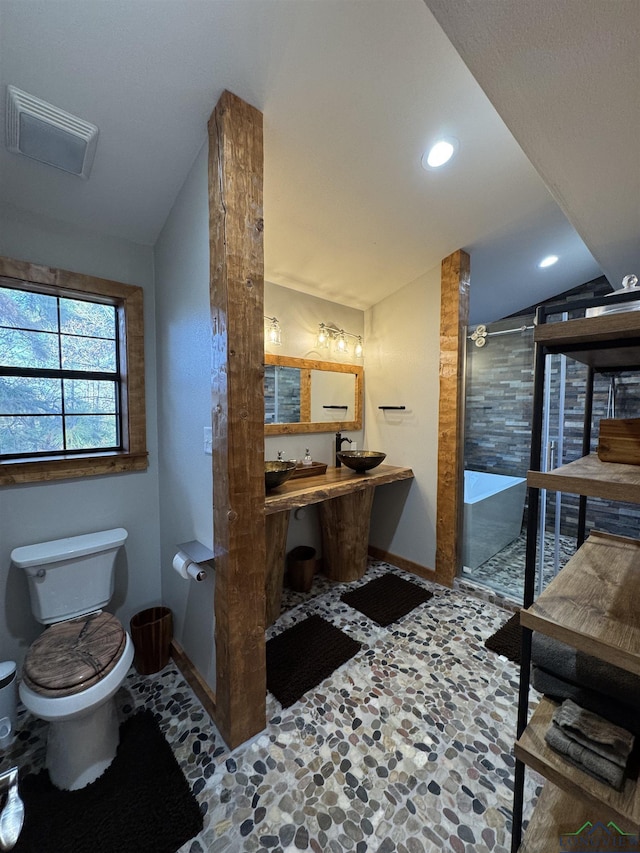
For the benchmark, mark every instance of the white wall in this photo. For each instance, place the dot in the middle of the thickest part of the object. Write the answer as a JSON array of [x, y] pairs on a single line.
[[43, 511], [402, 369], [299, 315], [183, 324]]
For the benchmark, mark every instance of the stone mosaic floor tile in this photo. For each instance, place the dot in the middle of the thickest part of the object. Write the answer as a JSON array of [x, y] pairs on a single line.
[[407, 748], [504, 572]]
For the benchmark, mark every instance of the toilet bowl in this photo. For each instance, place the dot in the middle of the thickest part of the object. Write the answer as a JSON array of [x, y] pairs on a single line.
[[74, 668]]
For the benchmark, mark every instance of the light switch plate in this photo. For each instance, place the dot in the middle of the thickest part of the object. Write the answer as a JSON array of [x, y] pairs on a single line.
[[208, 441]]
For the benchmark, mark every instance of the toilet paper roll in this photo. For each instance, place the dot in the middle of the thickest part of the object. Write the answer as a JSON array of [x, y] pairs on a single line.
[[186, 568]]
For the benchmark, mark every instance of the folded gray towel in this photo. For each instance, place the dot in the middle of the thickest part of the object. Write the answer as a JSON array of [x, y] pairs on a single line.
[[594, 732], [619, 713], [587, 671], [595, 765]]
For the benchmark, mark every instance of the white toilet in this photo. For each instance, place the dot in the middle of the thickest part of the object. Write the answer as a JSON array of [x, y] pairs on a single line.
[[73, 670]]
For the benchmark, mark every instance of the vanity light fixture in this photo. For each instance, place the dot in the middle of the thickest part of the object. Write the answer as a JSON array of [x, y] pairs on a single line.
[[273, 334], [549, 261], [331, 334]]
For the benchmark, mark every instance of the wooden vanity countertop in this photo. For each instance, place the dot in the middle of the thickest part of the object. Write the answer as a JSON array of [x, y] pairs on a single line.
[[332, 484]]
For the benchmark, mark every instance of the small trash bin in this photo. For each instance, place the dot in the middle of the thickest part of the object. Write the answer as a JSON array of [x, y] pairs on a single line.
[[151, 632], [301, 567], [8, 702]]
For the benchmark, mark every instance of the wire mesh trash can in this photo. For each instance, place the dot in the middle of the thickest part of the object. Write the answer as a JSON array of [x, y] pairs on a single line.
[[151, 632]]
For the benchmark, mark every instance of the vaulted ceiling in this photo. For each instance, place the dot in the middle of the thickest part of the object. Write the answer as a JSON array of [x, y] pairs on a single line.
[[352, 93]]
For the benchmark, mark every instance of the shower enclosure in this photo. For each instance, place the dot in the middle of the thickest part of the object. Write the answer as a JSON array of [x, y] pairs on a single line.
[[498, 411]]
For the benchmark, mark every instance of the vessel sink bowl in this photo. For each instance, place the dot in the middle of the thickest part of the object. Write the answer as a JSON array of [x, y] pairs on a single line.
[[276, 473], [361, 460]]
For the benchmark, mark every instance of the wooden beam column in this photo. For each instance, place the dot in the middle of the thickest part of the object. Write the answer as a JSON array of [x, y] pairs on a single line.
[[237, 309], [454, 317]]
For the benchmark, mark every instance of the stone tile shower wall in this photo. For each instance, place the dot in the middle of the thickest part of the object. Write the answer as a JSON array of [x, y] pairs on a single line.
[[288, 407], [499, 395], [499, 389]]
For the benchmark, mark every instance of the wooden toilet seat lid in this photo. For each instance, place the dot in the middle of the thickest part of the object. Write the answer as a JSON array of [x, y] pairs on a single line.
[[71, 656]]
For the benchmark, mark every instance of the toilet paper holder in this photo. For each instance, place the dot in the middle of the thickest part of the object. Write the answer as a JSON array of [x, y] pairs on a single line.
[[189, 558], [196, 551]]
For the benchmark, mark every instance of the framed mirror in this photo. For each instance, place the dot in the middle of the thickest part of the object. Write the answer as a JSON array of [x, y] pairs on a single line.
[[303, 395]]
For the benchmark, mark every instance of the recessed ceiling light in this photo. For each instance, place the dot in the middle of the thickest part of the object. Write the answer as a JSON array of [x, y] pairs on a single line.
[[440, 153], [549, 261]]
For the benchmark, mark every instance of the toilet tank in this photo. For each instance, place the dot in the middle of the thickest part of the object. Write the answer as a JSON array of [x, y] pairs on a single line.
[[70, 577]]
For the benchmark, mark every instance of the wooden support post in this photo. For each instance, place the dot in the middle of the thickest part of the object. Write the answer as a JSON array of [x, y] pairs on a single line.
[[277, 527], [237, 309], [454, 316], [344, 522]]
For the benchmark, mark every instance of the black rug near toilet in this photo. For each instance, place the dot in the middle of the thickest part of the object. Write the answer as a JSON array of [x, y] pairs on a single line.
[[304, 655], [506, 640], [387, 598], [141, 803]]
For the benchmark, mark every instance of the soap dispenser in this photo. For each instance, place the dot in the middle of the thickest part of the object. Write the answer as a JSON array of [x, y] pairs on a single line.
[[307, 458]]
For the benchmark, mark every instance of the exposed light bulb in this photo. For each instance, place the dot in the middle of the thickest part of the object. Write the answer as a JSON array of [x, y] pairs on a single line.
[[274, 334], [357, 350], [323, 338], [341, 343]]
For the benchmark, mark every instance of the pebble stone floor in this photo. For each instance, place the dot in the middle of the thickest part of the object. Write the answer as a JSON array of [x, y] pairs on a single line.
[[504, 572], [407, 748]]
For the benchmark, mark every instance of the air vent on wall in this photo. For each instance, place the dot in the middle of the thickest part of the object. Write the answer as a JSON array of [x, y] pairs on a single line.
[[46, 133]]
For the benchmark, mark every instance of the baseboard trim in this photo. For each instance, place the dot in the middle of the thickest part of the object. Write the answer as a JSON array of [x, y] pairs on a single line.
[[193, 678], [409, 566]]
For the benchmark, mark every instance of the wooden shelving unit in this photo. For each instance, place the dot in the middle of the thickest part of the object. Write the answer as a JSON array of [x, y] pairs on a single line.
[[589, 476], [592, 604], [531, 747], [558, 813], [608, 342]]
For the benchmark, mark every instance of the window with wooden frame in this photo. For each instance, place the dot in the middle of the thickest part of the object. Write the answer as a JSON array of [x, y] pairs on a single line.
[[71, 375]]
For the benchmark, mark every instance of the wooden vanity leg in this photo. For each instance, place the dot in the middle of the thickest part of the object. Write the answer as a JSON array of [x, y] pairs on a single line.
[[276, 527], [345, 534]]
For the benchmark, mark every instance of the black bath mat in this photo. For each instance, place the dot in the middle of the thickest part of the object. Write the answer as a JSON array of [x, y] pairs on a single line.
[[506, 640], [387, 598], [304, 655], [142, 802]]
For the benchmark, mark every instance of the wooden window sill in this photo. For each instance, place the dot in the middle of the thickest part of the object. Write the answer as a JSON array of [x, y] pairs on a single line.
[[66, 467]]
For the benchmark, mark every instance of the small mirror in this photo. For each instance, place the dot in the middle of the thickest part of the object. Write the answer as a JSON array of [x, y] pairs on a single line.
[[303, 395]]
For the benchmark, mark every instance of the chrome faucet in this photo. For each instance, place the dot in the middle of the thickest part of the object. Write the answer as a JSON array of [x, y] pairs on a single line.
[[340, 439]]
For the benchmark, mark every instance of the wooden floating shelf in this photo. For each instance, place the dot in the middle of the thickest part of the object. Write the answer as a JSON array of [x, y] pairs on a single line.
[[592, 477], [557, 813], [622, 806], [606, 342], [592, 604], [332, 484]]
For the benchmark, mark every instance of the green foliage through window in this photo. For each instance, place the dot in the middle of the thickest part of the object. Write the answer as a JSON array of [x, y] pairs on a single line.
[[59, 378]]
